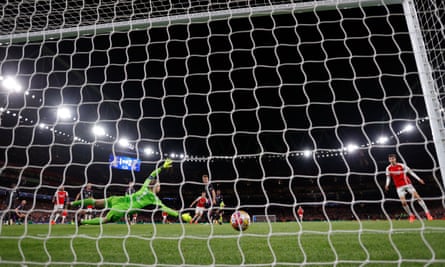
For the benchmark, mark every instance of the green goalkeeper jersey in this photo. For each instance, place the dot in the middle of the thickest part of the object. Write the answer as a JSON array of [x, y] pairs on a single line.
[[144, 196]]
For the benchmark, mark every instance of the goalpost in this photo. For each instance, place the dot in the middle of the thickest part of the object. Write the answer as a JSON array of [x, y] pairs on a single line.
[[284, 104]]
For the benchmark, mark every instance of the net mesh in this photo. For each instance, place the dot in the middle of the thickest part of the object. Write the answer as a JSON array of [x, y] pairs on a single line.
[[431, 18], [283, 104]]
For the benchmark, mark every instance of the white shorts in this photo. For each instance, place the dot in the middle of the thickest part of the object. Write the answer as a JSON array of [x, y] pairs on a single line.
[[409, 188], [199, 210], [58, 207]]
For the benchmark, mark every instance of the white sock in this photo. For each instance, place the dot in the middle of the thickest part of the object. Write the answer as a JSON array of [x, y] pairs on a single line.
[[423, 205], [408, 211]]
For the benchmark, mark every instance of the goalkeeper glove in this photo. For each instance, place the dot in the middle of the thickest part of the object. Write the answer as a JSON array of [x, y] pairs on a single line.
[[167, 164]]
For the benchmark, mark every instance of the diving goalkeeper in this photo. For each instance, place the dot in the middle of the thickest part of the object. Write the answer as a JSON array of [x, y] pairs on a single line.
[[121, 205]]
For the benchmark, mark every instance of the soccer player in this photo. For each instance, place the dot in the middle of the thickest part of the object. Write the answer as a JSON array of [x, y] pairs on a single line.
[[130, 190], [59, 200], [12, 196], [208, 188], [219, 211], [200, 207], [398, 173], [165, 217], [19, 212], [300, 213], [86, 193], [121, 205], [64, 215]]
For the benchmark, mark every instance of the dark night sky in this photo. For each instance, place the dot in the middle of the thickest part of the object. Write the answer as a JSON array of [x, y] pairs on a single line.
[[238, 87]]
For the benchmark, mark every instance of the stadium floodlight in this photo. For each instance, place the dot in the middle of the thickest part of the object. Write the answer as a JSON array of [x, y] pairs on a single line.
[[307, 153], [124, 142], [98, 131], [63, 113], [11, 84], [407, 128], [351, 147], [42, 125], [148, 151], [382, 140]]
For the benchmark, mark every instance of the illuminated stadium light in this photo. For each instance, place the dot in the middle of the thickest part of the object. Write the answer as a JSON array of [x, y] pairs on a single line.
[[42, 125], [351, 148], [124, 142], [407, 128], [98, 131], [382, 140], [63, 113], [149, 151], [11, 84], [181, 156], [307, 153]]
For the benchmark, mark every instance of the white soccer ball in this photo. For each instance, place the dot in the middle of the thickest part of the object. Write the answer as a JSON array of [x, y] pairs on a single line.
[[240, 220]]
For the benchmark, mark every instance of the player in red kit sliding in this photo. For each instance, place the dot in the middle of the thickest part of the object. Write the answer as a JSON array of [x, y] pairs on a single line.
[[200, 207]]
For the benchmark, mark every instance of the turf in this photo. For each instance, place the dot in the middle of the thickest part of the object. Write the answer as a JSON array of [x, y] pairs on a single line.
[[342, 243]]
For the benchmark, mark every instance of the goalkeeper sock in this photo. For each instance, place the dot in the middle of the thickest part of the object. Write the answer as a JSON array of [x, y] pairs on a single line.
[[85, 202]]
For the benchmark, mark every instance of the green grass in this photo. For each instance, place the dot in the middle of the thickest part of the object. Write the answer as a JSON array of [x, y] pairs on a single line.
[[344, 243]]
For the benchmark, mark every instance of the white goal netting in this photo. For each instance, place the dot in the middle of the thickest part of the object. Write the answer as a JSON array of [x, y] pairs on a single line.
[[290, 107]]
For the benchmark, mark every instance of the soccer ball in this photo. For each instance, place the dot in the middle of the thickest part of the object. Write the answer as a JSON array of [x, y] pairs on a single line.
[[240, 220], [186, 217]]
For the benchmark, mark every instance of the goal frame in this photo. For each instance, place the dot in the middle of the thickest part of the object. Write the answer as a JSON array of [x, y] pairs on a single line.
[[140, 24], [428, 85]]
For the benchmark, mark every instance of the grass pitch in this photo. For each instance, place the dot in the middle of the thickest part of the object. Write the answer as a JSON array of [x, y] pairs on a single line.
[[342, 243]]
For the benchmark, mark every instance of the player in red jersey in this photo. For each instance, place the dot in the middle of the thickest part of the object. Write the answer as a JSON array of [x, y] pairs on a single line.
[[398, 173], [300, 213], [200, 207], [165, 217], [64, 215], [59, 200]]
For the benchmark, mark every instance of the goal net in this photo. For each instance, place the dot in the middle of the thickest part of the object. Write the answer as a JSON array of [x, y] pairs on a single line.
[[291, 108]]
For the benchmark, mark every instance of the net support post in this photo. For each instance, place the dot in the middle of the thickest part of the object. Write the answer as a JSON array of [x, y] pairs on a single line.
[[429, 86]]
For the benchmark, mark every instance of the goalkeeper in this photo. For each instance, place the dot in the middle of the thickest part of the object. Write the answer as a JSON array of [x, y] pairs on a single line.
[[121, 205]]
